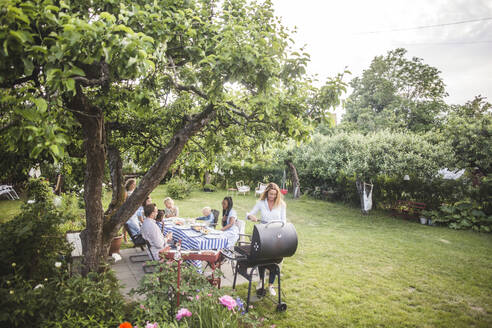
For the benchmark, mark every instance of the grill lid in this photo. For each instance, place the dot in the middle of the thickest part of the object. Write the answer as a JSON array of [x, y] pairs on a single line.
[[273, 240]]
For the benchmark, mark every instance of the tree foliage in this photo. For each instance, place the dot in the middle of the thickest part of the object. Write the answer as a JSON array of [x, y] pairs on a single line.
[[395, 93], [145, 77], [469, 130], [368, 156]]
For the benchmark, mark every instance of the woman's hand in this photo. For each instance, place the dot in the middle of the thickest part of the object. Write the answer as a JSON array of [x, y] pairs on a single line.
[[253, 218]]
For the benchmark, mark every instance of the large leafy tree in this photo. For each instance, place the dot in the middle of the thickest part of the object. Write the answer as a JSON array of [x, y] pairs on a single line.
[[469, 130], [144, 75], [395, 93]]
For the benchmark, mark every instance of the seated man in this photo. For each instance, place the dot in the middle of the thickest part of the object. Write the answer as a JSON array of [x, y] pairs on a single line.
[[208, 216], [151, 232]]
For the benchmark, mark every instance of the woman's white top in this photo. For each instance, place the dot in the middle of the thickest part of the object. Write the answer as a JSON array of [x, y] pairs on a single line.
[[267, 215], [234, 228]]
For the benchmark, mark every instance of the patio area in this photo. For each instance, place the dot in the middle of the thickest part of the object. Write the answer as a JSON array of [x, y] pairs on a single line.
[[129, 274]]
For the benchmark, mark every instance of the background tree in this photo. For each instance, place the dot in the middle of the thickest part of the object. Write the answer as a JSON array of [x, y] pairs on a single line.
[[103, 71], [469, 130], [328, 160], [395, 93]]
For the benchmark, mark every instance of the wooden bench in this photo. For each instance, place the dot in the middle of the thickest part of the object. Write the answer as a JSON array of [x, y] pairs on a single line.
[[408, 209]]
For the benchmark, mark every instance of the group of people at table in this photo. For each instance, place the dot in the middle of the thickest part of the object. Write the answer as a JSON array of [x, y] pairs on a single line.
[[148, 220]]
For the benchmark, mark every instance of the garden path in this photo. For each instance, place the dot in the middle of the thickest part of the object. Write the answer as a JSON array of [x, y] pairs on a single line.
[[129, 274]]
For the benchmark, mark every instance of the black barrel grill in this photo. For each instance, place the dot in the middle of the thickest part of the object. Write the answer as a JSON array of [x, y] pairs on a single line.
[[270, 243]]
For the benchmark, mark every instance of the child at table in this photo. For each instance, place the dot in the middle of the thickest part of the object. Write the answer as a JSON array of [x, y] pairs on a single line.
[[208, 216], [170, 211]]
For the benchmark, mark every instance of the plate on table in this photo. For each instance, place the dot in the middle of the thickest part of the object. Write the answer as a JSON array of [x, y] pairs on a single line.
[[193, 233], [182, 227], [215, 232], [211, 236]]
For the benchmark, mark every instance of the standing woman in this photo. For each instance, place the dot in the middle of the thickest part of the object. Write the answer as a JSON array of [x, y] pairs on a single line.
[[272, 208], [229, 226]]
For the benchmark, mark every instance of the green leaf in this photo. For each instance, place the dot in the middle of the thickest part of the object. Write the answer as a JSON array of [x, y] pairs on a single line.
[[70, 84], [51, 8], [77, 71], [107, 16], [28, 66], [55, 150], [29, 113], [41, 49], [41, 104], [19, 35]]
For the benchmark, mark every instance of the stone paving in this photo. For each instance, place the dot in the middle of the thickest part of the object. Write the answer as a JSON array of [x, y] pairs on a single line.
[[129, 273]]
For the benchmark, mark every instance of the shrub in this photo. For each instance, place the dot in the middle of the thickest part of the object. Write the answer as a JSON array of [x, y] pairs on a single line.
[[33, 241], [462, 215], [61, 301], [196, 295], [178, 188], [209, 187], [39, 190]]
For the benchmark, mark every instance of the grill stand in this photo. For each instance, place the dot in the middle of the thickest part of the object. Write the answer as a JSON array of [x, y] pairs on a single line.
[[242, 268]]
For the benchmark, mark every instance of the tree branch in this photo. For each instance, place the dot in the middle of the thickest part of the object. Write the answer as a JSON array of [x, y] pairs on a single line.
[[11, 84]]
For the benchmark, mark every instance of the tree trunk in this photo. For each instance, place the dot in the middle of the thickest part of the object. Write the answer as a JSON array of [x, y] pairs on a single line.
[[59, 184], [157, 172], [101, 229], [94, 243], [117, 180], [296, 187], [207, 177]]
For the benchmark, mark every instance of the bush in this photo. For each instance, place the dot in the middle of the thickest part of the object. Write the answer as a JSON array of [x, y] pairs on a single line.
[[462, 215], [39, 190], [209, 187], [196, 295], [178, 188], [60, 301]]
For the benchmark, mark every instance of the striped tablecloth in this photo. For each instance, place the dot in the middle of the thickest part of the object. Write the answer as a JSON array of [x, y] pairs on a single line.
[[190, 239]]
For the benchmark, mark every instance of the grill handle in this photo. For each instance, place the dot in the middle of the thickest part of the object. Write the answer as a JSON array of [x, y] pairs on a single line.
[[282, 222]]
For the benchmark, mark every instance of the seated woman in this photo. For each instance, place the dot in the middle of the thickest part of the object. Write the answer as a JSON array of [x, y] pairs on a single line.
[[208, 216], [272, 208], [170, 211], [229, 222]]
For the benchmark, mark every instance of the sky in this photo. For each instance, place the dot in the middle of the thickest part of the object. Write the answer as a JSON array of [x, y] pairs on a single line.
[[350, 33]]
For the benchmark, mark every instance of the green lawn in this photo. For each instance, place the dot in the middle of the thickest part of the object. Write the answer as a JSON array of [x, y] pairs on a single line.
[[370, 271]]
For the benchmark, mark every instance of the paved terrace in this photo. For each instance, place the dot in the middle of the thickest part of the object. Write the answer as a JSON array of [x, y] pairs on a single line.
[[129, 273]]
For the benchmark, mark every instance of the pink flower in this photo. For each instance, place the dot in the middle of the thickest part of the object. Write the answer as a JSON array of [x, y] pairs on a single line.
[[197, 297], [183, 313], [152, 325], [142, 306], [190, 298], [209, 294], [228, 301], [273, 326]]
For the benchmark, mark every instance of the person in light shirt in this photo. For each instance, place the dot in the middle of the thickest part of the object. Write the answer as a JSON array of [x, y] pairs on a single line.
[[272, 208], [152, 233], [229, 216]]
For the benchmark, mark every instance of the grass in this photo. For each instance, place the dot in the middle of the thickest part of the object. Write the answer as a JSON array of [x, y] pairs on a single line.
[[368, 271]]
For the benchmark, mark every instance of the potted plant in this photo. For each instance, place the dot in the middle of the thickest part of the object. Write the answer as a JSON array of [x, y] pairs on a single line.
[[116, 244]]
